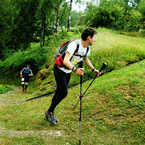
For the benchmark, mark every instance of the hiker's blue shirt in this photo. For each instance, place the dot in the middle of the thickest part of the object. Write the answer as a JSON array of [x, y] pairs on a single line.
[[25, 72]]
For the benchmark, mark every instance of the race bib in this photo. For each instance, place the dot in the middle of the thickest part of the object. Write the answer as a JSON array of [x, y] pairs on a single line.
[[75, 61]]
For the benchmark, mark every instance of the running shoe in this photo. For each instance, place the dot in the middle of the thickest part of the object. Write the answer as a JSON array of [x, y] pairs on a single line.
[[50, 117]]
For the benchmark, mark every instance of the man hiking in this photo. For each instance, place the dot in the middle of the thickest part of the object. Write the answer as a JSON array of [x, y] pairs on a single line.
[[62, 74], [25, 74]]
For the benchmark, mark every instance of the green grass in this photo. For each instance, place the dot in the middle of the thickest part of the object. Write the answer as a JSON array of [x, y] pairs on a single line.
[[4, 89], [110, 47], [113, 108], [113, 113]]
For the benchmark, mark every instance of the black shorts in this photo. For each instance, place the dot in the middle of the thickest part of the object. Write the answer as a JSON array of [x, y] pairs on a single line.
[[25, 80]]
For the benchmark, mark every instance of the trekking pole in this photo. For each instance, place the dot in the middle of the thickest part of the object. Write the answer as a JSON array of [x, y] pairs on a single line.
[[80, 119], [102, 68]]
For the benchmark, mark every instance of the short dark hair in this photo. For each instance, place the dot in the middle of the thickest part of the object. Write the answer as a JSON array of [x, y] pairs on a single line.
[[28, 66], [88, 32]]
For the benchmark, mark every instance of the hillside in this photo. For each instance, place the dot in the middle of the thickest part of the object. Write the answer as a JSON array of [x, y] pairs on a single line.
[[113, 113], [110, 47], [113, 108]]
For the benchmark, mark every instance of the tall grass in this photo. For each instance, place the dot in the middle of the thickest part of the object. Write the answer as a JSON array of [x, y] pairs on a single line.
[[110, 47]]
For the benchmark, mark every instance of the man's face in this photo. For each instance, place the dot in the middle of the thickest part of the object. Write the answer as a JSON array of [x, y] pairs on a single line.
[[92, 40]]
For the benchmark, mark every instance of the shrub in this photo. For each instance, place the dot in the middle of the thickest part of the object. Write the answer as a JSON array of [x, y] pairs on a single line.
[[35, 57], [134, 20], [4, 89]]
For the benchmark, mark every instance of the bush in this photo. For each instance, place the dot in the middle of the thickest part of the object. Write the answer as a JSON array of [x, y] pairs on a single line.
[[134, 19], [35, 57], [113, 14], [4, 89]]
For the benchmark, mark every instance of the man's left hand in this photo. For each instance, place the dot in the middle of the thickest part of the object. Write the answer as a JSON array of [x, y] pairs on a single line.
[[97, 72]]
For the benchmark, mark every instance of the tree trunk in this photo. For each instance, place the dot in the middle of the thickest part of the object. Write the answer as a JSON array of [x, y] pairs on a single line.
[[42, 43], [69, 18], [57, 19]]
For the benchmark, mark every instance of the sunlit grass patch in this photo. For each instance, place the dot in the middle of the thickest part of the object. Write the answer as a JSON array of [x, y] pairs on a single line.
[[4, 89]]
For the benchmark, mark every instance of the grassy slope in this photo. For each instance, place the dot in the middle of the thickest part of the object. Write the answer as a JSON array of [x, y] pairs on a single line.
[[113, 108], [114, 49], [113, 112]]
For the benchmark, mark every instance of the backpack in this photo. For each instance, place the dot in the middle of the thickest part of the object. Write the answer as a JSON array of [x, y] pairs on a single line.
[[59, 56]]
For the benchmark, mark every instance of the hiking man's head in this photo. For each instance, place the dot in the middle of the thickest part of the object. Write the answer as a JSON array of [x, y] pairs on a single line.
[[89, 35], [28, 67]]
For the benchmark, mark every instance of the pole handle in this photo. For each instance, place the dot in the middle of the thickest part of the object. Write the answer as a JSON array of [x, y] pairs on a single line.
[[104, 65]]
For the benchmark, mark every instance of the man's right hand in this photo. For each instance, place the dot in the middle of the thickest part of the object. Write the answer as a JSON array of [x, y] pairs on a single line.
[[80, 71]]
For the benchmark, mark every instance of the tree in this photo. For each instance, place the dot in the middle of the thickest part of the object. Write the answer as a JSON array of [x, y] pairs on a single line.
[[69, 18], [43, 13], [64, 13], [18, 18], [108, 14], [24, 20], [75, 18], [56, 6], [113, 14], [4, 26], [133, 20], [141, 8], [48, 13], [70, 10]]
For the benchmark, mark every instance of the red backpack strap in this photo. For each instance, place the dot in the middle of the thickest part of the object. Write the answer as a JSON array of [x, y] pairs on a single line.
[[64, 43]]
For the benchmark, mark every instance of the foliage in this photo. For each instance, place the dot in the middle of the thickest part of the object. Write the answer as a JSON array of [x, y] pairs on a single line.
[[4, 26], [34, 56], [18, 25], [141, 8], [45, 19], [75, 18], [24, 21], [64, 14], [113, 14], [134, 19], [4, 89]]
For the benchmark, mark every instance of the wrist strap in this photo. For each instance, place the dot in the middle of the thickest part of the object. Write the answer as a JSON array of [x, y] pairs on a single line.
[[73, 69]]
